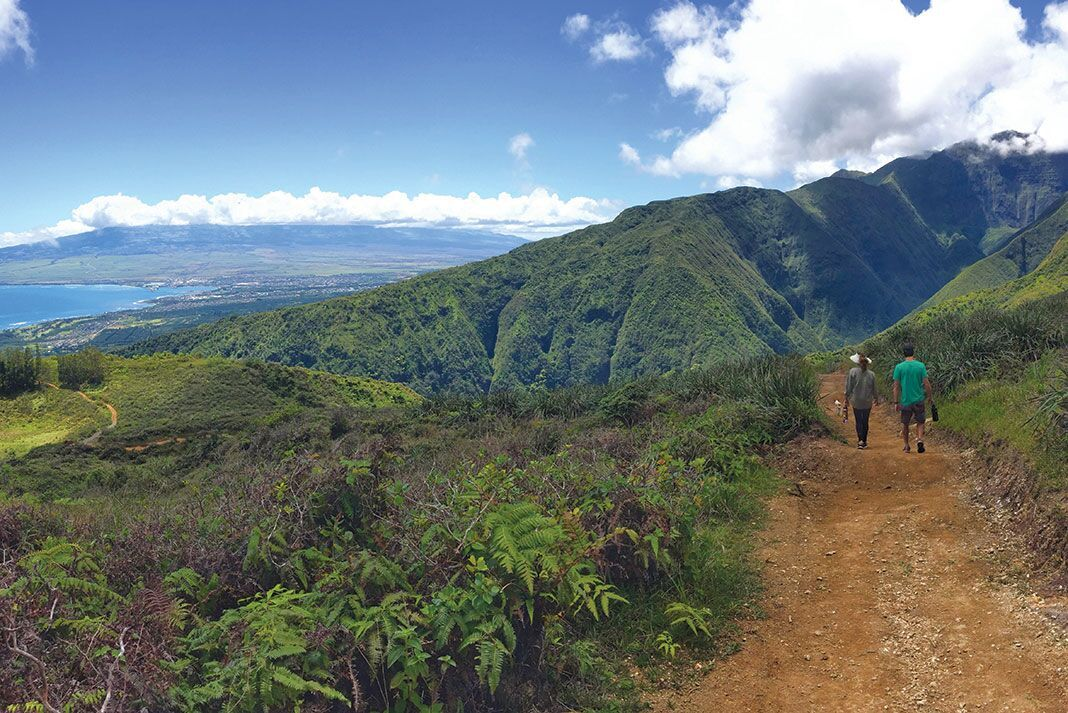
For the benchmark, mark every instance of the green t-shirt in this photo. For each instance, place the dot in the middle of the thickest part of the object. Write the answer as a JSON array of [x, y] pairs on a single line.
[[910, 375]]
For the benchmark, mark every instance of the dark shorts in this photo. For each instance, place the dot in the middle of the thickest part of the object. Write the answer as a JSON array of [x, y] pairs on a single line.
[[913, 412]]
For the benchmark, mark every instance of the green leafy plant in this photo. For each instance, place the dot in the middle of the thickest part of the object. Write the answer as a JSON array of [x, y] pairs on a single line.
[[257, 656]]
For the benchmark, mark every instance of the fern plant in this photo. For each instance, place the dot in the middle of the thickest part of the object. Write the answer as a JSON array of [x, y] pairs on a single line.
[[255, 657]]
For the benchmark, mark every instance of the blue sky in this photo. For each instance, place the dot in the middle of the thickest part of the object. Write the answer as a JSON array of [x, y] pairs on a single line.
[[160, 99]]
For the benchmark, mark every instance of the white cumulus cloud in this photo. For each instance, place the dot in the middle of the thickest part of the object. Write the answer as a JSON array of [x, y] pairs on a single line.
[[808, 171], [618, 45], [536, 214], [575, 26], [14, 30], [610, 39], [800, 89], [725, 182], [629, 155]]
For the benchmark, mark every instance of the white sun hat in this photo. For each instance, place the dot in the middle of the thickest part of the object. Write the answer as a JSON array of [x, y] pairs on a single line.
[[856, 359]]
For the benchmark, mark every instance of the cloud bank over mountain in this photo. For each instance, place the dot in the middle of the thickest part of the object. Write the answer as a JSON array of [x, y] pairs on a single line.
[[796, 89], [537, 214]]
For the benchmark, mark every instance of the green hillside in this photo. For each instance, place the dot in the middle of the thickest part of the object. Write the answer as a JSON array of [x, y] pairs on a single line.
[[44, 416], [166, 395], [1024, 253], [1050, 278], [168, 407]]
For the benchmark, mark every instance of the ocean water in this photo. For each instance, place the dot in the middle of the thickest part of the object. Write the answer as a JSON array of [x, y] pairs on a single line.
[[29, 304]]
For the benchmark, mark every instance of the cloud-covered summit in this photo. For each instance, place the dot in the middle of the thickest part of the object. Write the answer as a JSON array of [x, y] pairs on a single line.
[[798, 89]]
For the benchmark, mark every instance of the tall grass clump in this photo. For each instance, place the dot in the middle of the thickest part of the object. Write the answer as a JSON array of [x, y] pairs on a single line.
[[783, 389], [985, 343]]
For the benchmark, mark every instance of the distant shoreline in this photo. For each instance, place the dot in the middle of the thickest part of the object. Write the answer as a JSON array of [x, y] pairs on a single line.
[[100, 298]]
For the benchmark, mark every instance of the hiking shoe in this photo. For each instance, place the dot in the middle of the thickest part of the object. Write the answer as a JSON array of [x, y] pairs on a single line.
[[907, 449], [863, 444], [919, 447]]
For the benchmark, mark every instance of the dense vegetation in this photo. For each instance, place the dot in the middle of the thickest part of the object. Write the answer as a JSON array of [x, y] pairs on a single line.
[[20, 370], [500, 553], [84, 368], [669, 285]]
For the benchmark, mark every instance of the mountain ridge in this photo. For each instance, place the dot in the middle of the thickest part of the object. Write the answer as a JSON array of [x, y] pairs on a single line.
[[206, 253], [668, 285]]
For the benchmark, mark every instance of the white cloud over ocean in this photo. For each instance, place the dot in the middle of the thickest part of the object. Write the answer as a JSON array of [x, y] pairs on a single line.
[[787, 88], [538, 213]]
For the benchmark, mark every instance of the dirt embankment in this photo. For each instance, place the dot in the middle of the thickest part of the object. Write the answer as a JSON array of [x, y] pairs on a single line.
[[885, 593]]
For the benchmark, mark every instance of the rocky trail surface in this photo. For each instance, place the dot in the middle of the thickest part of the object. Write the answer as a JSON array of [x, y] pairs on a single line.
[[886, 590]]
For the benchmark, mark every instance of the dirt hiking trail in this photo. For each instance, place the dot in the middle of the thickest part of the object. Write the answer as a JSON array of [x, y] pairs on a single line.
[[112, 411], [881, 593]]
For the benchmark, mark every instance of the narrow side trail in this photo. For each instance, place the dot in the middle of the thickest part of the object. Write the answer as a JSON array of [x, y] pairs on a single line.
[[880, 595], [112, 411]]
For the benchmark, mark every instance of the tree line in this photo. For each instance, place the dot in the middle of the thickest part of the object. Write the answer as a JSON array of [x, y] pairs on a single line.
[[84, 368], [20, 370]]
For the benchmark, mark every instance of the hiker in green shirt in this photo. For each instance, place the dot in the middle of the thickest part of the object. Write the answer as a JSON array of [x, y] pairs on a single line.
[[912, 390]]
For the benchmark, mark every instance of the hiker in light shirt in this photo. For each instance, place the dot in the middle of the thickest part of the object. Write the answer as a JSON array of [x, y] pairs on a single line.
[[861, 394]]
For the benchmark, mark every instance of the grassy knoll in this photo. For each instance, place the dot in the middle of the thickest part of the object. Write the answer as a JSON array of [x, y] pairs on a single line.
[[167, 395], [42, 417], [188, 403]]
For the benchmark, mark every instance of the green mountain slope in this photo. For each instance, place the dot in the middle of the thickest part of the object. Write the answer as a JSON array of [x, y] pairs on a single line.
[[974, 196], [672, 284], [1024, 252], [1048, 280]]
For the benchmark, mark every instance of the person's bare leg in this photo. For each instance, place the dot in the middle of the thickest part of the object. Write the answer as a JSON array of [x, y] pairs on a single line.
[[905, 435], [919, 437]]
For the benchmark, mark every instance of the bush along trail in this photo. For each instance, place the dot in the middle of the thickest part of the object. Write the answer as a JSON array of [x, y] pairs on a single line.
[[882, 593]]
